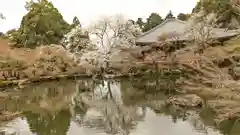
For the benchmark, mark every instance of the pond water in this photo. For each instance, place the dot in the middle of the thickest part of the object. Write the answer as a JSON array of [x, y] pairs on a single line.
[[87, 107]]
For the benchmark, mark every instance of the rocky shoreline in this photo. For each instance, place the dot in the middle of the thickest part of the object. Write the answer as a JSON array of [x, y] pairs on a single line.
[[41, 79]]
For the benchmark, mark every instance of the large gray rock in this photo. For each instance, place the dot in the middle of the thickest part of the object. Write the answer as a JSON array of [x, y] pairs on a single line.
[[236, 57], [236, 71], [191, 100]]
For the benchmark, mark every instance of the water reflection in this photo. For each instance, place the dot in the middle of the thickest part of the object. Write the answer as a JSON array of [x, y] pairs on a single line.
[[124, 107]]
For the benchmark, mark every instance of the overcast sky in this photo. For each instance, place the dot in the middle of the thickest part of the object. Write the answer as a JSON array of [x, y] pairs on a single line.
[[90, 10]]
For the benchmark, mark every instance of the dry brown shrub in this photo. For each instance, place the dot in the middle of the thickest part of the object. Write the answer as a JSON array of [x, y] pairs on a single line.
[[51, 60], [215, 53], [207, 80]]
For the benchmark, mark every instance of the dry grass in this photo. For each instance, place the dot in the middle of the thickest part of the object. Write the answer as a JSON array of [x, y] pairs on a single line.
[[208, 81], [229, 49], [45, 60]]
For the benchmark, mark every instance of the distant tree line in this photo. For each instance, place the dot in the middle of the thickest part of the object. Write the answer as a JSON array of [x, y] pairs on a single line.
[[155, 19], [44, 25], [227, 14]]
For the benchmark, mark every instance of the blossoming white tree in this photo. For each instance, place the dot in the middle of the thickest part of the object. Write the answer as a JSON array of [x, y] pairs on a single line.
[[115, 31], [76, 40], [201, 29], [108, 35], [112, 33]]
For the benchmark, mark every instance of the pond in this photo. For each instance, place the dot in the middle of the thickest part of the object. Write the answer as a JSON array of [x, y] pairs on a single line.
[[101, 107]]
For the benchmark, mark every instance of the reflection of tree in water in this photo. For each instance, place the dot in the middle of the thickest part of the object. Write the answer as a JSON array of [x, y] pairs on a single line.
[[151, 84], [113, 115], [133, 92], [57, 124], [77, 106], [175, 112], [230, 127], [119, 113], [116, 118], [202, 122], [51, 98], [54, 91], [144, 90]]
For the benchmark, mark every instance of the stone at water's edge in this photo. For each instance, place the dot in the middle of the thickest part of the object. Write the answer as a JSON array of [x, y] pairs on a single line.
[[7, 116], [236, 70], [236, 57], [190, 100]]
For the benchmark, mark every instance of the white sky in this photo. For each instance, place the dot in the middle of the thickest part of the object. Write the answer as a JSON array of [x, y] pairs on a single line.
[[90, 10]]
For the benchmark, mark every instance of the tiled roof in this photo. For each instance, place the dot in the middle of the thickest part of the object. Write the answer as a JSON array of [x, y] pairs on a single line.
[[180, 28]]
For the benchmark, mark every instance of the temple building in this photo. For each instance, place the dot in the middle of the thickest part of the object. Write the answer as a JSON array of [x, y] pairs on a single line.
[[176, 30]]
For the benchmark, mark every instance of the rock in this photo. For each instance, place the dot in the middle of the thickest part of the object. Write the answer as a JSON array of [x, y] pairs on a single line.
[[7, 116], [236, 57], [23, 82], [226, 62], [236, 71], [191, 100]]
